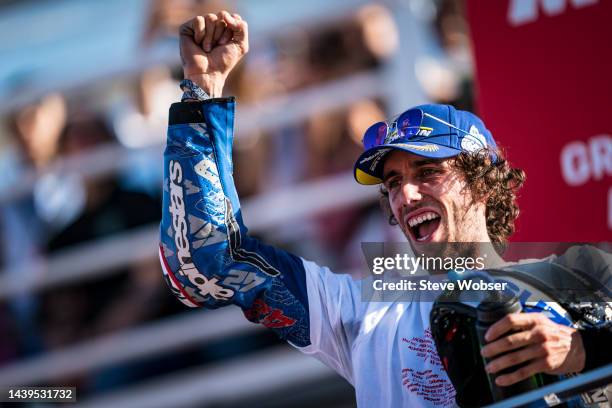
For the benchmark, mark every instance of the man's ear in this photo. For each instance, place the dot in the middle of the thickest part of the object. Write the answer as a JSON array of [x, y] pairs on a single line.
[[385, 205]]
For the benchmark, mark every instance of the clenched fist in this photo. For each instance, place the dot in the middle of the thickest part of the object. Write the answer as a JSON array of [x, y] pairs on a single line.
[[211, 46]]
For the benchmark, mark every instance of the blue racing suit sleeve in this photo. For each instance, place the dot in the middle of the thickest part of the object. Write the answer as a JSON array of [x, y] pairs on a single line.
[[207, 256]]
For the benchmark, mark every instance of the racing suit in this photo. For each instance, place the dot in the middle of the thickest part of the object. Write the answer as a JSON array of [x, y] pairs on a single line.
[[384, 349]]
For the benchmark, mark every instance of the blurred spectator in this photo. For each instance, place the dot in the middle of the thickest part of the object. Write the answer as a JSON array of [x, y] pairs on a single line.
[[139, 120], [446, 71], [109, 208], [36, 129], [167, 15], [303, 57], [378, 30], [120, 298], [331, 146], [360, 116], [334, 140], [452, 29], [352, 45]]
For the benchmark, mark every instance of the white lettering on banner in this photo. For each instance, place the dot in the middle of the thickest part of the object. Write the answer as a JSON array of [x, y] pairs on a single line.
[[581, 161], [179, 224], [601, 156], [526, 11], [575, 164]]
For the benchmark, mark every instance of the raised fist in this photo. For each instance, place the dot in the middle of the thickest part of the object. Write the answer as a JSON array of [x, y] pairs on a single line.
[[211, 46]]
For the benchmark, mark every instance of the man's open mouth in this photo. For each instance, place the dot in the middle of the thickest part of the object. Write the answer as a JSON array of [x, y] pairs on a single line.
[[423, 224]]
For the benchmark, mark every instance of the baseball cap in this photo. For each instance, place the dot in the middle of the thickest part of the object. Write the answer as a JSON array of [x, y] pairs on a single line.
[[435, 131]]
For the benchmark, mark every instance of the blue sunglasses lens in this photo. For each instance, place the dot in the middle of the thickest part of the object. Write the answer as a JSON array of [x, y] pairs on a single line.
[[409, 123], [375, 135]]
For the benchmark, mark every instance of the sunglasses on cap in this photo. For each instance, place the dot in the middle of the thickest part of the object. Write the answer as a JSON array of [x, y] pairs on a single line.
[[407, 126]]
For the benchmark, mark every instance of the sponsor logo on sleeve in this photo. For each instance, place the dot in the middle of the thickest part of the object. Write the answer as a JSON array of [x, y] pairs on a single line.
[[268, 316], [206, 286], [243, 281]]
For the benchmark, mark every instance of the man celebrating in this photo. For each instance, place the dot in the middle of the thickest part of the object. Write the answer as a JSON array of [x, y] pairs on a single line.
[[444, 181]]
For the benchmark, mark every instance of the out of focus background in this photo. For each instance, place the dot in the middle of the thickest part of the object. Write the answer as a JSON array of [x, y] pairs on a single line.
[[85, 89]]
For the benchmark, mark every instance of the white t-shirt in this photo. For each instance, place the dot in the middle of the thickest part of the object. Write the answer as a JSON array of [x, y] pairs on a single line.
[[384, 349]]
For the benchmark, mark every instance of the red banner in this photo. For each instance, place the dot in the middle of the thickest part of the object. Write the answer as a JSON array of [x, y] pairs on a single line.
[[544, 79]]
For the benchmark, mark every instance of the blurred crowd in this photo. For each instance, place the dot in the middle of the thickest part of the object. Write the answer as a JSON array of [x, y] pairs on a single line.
[[79, 169]]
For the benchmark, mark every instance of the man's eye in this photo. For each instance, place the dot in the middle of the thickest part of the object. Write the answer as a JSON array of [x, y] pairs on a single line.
[[393, 184], [429, 172]]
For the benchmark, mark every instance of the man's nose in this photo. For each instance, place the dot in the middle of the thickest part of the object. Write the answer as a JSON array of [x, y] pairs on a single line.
[[411, 193]]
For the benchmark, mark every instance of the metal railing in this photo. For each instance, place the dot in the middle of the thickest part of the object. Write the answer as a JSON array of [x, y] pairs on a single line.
[[561, 391], [263, 373], [194, 327]]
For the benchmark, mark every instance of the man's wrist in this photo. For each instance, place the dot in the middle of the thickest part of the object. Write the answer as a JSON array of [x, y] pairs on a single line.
[[212, 84], [192, 92]]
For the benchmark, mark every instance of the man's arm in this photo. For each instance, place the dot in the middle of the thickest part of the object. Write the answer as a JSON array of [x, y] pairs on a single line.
[[207, 257], [550, 347]]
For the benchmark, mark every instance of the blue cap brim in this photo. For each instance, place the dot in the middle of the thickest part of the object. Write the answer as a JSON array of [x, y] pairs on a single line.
[[369, 166]]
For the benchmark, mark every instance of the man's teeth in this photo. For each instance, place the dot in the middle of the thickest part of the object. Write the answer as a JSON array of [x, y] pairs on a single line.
[[414, 221]]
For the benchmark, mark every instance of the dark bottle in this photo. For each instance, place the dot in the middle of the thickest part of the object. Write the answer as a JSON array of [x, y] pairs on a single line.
[[489, 311]]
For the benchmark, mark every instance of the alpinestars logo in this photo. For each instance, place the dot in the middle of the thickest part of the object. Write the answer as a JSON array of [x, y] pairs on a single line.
[[207, 287]]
